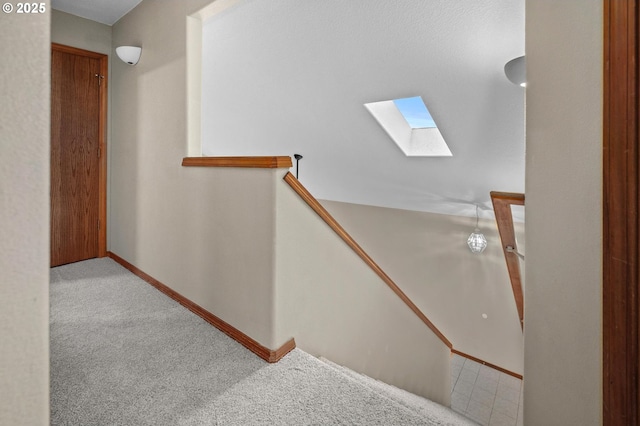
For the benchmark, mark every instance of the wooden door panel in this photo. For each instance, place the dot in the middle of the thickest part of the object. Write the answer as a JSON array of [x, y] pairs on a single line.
[[621, 221], [75, 143]]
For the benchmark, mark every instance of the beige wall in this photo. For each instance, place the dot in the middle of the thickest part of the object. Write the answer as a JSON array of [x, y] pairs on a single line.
[[24, 219], [427, 255], [206, 233], [563, 300], [337, 307], [79, 32]]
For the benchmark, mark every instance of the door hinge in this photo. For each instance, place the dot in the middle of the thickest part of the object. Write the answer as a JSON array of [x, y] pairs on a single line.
[[99, 152], [98, 223], [100, 78]]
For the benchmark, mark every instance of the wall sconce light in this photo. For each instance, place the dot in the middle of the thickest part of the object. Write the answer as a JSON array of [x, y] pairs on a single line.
[[476, 241], [516, 71], [129, 54]]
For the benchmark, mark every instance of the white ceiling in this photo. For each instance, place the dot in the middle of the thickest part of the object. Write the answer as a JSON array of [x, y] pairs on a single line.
[[284, 77], [104, 11]]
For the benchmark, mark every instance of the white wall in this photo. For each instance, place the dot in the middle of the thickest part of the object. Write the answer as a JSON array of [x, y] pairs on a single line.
[[24, 218], [563, 296], [337, 307], [288, 76], [427, 255]]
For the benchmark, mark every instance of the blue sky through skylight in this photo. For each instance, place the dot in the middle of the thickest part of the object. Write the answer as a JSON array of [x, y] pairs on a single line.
[[415, 112]]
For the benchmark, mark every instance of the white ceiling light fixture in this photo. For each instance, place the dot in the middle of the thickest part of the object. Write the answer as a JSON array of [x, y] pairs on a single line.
[[129, 54], [476, 241], [516, 71]]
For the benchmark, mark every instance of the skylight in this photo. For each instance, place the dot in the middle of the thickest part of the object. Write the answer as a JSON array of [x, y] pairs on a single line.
[[415, 112], [409, 124]]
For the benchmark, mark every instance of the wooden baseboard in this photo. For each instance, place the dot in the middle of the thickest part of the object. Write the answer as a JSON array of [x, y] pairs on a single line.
[[265, 353], [488, 364]]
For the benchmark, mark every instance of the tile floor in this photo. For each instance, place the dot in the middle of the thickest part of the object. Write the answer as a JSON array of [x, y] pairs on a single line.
[[485, 395]]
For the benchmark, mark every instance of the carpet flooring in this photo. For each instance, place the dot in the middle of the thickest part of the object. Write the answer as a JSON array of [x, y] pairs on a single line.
[[122, 353]]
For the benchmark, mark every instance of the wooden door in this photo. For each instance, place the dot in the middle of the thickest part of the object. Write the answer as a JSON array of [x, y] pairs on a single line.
[[621, 218], [77, 91]]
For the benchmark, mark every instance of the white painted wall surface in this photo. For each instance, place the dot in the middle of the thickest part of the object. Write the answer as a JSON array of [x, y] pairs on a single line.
[[337, 307], [289, 76], [563, 296], [24, 218], [427, 255]]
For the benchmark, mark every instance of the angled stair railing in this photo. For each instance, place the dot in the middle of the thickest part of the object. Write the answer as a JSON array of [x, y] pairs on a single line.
[[330, 324], [302, 194], [339, 230], [502, 202], [285, 162]]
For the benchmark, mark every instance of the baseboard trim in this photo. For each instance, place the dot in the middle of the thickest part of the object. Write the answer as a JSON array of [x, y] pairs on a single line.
[[488, 364], [263, 352]]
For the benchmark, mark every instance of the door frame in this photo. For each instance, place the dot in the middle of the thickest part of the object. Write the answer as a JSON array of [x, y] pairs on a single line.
[[102, 138], [621, 225]]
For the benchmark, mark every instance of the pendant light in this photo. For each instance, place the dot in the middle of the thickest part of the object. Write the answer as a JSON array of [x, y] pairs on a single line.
[[476, 241]]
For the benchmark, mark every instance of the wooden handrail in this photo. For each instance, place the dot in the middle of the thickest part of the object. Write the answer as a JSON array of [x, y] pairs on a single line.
[[283, 162], [333, 224], [488, 364], [502, 202]]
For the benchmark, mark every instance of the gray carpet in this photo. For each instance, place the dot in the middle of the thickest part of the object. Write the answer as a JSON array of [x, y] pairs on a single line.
[[122, 353]]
